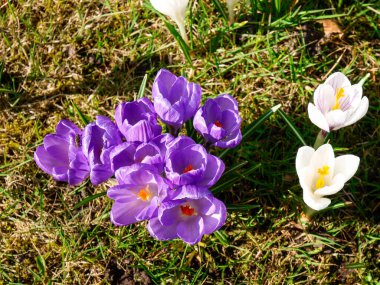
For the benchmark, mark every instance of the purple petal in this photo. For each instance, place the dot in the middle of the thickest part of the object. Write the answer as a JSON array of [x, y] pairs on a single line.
[[123, 214], [122, 155], [216, 220], [230, 141], [100, 173], [214, 170], [191, 230], [160, 232], [226, 101]]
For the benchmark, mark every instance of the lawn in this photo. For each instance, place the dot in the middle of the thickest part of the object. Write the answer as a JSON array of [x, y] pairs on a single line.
[[74, 59]]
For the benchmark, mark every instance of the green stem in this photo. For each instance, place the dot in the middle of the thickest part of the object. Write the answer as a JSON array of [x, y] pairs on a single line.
[[320, 139], [182, 31]]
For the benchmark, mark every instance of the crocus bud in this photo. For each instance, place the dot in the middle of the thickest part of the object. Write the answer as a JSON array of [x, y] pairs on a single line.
[[99, 138], [218, 121], [137, 120], [61, 154], [175, 99], [175, 9]]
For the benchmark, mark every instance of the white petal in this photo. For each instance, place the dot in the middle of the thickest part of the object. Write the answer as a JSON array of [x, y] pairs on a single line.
[[317, 118], [324, 156], [338, 80], [313, 201], [303, 158], [359, 113], [346, 165], [175, 9], [335, 186], [324, 97], [336, 119]]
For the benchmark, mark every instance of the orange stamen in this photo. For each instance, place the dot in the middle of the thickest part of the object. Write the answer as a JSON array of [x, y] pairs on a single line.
[[188, 168], [144, 194], [218, 124], [187, 210]]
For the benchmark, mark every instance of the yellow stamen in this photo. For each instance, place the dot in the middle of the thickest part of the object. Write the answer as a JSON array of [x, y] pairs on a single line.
[[322, 173], [144, 194], [339, 94]]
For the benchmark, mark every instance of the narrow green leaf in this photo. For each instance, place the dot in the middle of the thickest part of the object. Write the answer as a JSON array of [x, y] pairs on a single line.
[[220, 8], [89, 199], [142, 87], [181, 42], [356, 265], [254, 125], [41, 265], [234, 168], [238, 176], [242, 207], [80, 114], [292, 126], [222, 237]]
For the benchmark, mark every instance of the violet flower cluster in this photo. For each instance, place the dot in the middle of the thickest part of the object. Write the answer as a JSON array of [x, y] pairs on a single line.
[[162, 177]]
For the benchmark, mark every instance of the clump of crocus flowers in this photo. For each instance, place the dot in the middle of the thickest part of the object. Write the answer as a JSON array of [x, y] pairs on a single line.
[[162, 177]]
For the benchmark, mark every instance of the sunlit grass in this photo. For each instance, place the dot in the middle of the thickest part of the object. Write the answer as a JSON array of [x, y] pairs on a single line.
[[55, 55]]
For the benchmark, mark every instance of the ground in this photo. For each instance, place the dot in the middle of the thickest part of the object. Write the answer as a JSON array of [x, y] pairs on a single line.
[[56, 56]]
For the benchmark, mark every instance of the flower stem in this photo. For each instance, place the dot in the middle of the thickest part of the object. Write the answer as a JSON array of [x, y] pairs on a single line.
[[307, 216], [320, 139], [182, 31]]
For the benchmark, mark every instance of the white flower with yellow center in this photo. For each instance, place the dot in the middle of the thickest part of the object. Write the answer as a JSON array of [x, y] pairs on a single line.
[[337, 103], [321, 174], [175, 9]]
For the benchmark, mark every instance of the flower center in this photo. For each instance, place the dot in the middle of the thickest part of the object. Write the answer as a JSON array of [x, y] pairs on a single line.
[[339, 94], [144, 193], [218, 124], [321, 179], [188, 168], [187, 210]]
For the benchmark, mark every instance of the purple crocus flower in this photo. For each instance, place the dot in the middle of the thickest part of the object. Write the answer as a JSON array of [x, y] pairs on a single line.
[[218, 121], [137, 120], [140, 191], [190, 213], [175, 99], [61, 155], [188, 163], [99, 138]]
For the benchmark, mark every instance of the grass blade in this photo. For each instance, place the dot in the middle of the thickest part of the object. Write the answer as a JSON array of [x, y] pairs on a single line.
[[142, 87], [89, 199], [254, 125], [292, 127], [185, 48], [84, 119], [220, 8]]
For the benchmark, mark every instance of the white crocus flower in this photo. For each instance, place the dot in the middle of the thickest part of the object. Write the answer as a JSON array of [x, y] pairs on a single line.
[[337, 103], [175, 9], [321, 174], [231, 5]]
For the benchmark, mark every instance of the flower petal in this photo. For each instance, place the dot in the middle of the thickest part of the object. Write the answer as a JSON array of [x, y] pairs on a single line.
[[335, 186], [336, 119], [303, 157], [317, 118], [191, 230], [359, 113], [347, 165], [214, 170], [324, 98], [161, 232]]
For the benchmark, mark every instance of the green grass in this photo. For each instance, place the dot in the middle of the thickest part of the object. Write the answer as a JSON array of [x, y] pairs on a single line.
[[60, 56]]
